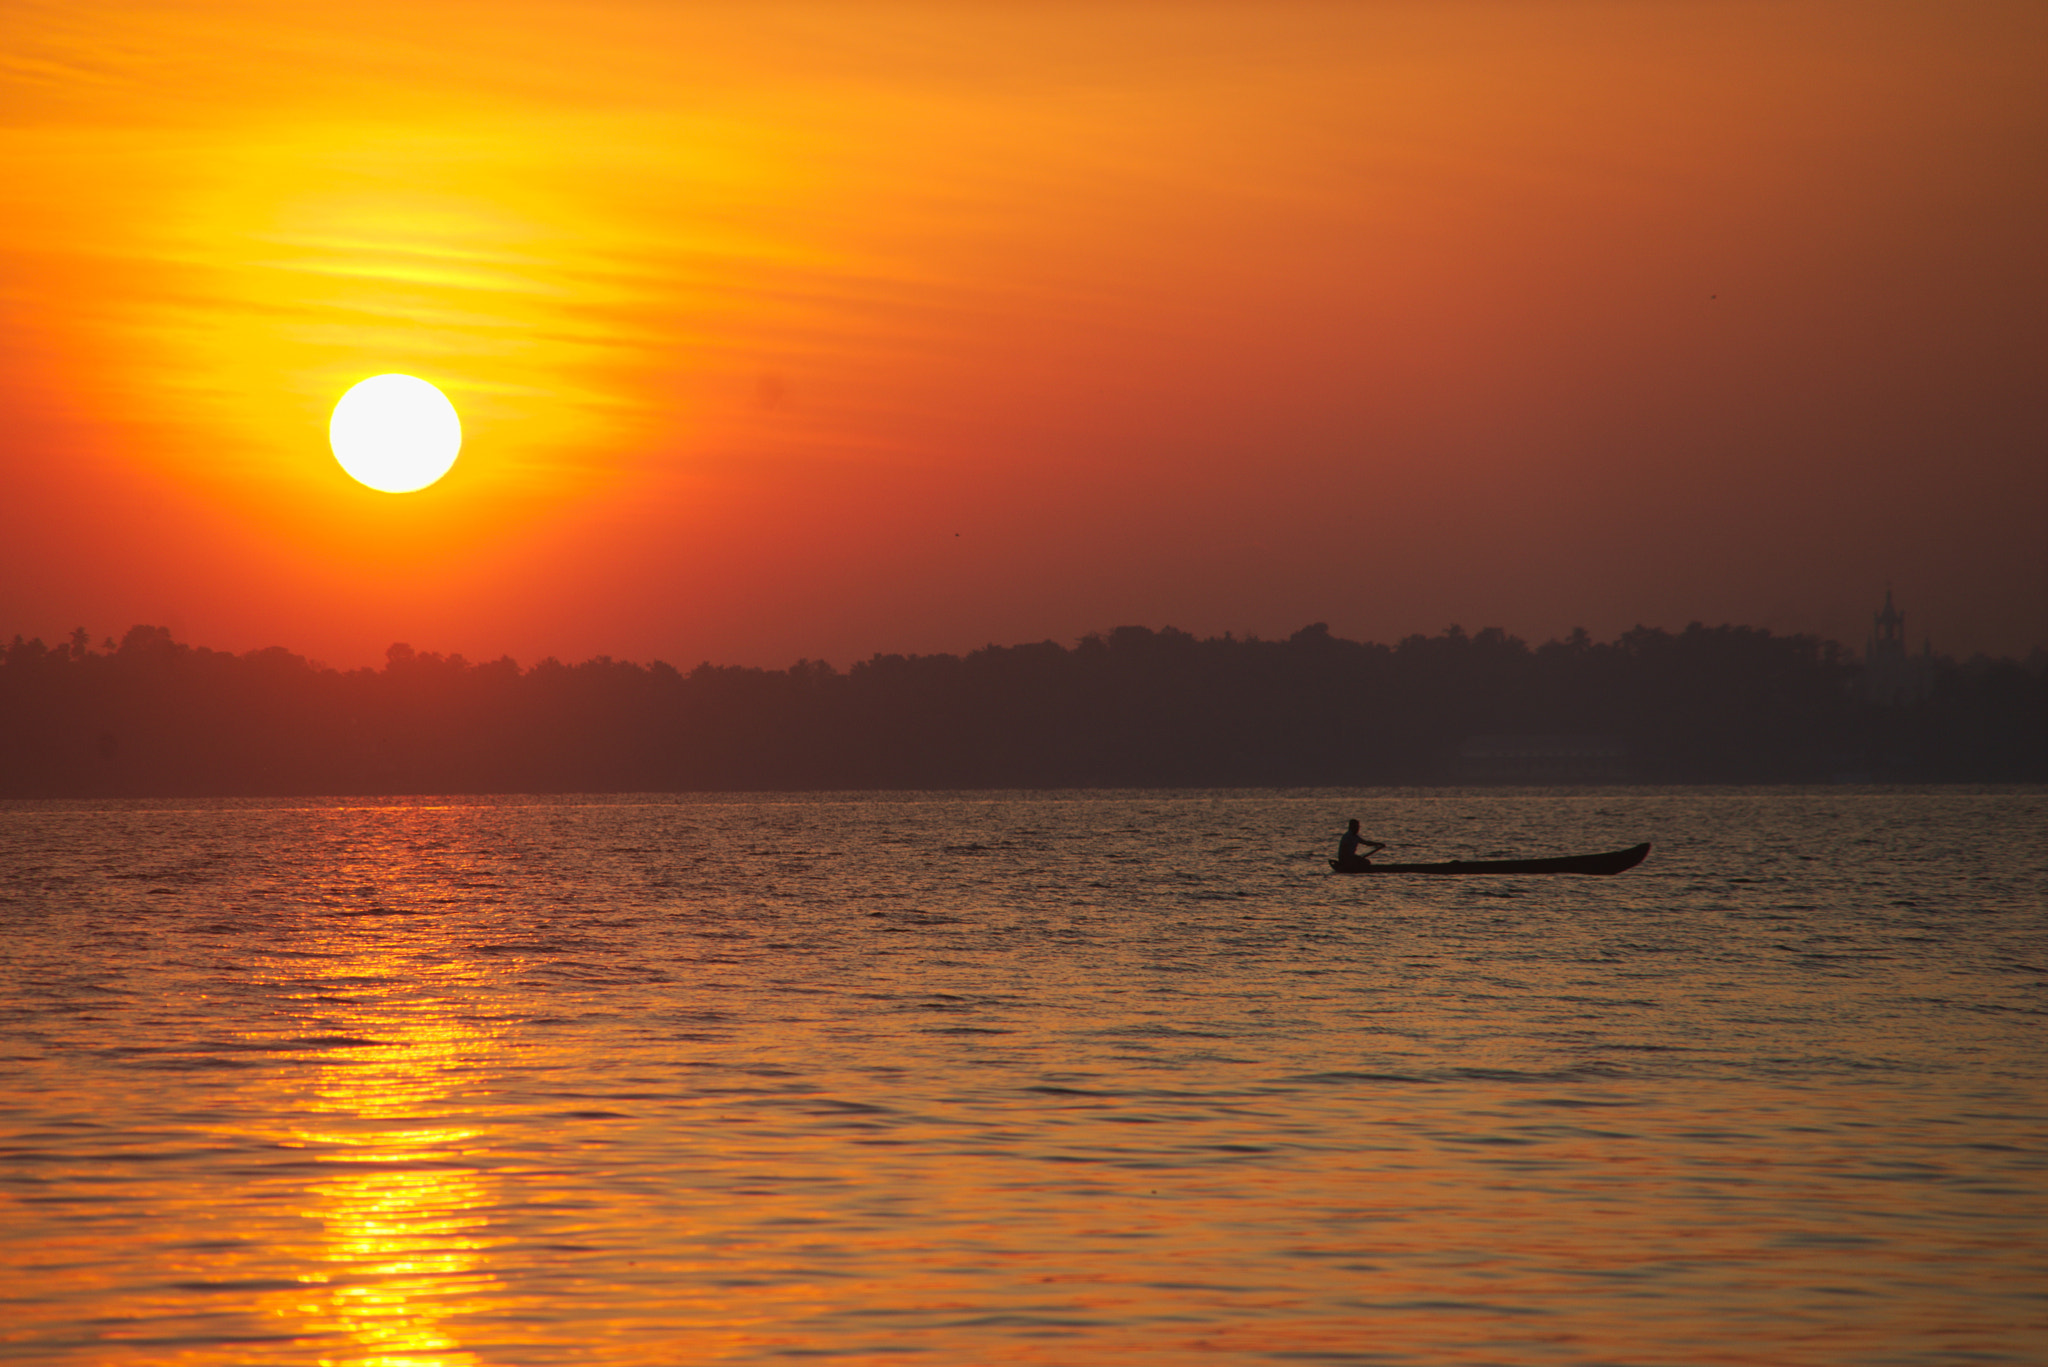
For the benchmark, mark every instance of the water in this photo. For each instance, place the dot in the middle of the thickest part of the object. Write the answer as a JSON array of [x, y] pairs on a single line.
[[1017, 1078]]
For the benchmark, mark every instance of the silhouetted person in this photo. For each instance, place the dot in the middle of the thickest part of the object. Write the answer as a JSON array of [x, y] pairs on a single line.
[[1348, 843]]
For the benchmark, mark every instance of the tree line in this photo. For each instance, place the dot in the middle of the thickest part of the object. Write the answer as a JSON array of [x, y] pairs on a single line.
[[1133, 707]]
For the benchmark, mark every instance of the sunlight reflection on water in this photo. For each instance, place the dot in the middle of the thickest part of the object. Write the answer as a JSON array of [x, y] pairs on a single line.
[[404, 1217], [981, 1079]]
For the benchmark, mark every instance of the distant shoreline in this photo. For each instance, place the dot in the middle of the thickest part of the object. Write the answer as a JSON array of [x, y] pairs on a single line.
[[1134, 709], [907, 796]]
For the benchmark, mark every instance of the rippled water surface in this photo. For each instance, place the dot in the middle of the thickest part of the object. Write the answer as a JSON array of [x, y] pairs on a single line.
[[1024, 1078]]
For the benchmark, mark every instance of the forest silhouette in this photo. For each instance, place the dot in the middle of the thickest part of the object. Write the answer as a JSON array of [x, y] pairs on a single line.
[[1135, 707]]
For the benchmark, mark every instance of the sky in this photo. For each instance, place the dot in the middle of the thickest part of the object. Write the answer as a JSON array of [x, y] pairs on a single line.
[[822, 330]]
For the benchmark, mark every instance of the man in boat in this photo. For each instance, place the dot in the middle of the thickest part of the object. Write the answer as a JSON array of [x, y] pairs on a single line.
[[1348, 843]]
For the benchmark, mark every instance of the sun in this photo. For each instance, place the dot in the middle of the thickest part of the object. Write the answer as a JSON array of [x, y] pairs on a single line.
[[395, 433]]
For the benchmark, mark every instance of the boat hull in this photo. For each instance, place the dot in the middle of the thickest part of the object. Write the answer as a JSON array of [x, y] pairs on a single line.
[[1613, 861]]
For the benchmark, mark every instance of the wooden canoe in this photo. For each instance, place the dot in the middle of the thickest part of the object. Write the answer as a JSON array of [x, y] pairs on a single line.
[[1612, 862]]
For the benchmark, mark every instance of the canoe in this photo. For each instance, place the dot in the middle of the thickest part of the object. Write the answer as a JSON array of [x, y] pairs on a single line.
[[1612, 862]]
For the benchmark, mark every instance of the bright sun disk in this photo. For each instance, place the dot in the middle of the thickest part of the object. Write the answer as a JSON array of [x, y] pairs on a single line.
[[395, 433]]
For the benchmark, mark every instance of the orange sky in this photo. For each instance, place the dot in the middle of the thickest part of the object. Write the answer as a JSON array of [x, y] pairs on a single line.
[[824, 329]]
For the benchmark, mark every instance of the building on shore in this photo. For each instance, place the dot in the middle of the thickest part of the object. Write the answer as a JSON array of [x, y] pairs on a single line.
[[1892, 675]]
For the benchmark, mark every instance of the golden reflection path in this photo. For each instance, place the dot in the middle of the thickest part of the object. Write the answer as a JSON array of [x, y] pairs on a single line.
[[397, 1189], [456, 1087]]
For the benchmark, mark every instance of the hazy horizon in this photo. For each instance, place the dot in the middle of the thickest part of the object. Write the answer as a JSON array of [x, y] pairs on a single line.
[[104, 640]]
